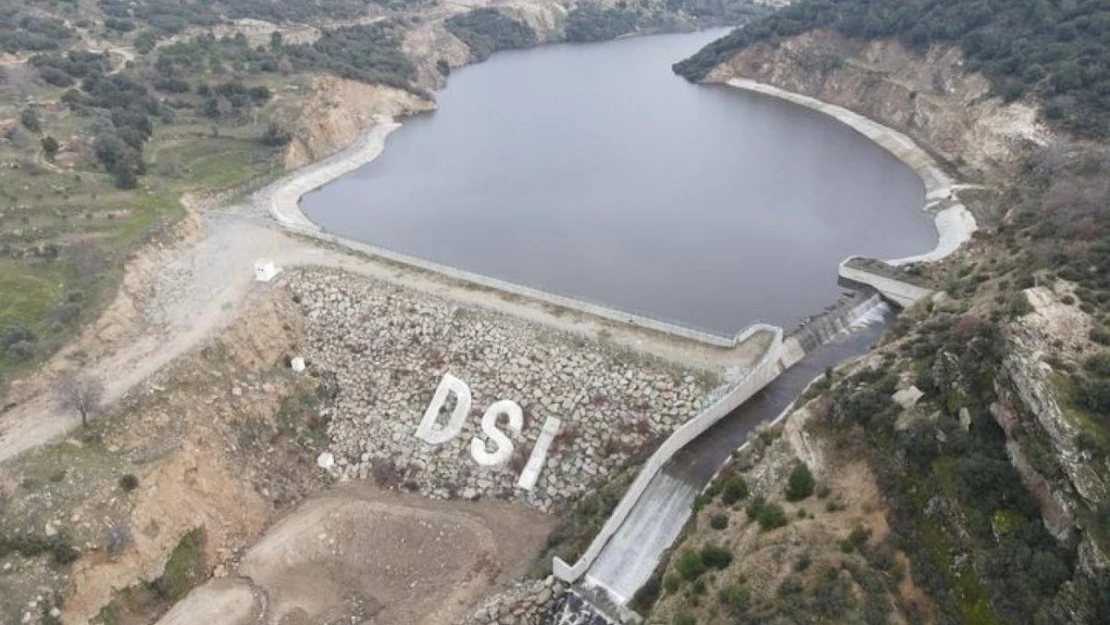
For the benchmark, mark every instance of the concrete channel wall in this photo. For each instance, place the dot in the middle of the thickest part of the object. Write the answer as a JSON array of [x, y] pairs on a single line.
[[762, 374], [901, 293]]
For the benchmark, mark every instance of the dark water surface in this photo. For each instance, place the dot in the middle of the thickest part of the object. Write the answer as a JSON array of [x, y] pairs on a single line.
[[593, 171]]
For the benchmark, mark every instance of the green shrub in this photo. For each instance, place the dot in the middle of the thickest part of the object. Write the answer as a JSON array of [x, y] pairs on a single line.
[[686, 618], [701, 501], [671, 583], [734, 489], [718, 521], [690, 565], [1099, 365], [754, 506], [737, 598], [771, 516], [856, 539], [486, 30], [715, 557], [129, 482], [800, 483]]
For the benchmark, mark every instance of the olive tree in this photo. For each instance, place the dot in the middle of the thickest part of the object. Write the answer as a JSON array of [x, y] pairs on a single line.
[[79, 393]]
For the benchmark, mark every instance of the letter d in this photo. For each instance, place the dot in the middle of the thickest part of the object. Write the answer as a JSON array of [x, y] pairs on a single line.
[[427, 430]]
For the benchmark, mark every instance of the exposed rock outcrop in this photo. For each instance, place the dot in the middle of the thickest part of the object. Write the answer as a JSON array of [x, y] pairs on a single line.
[[341, 111]]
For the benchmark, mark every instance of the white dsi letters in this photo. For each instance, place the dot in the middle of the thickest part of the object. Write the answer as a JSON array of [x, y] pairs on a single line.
[[489, 426], [430, 432], [427, 429]]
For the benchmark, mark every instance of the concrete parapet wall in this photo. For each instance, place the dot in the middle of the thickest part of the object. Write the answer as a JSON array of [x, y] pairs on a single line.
[[768, 368], [546, 297], [901, 293]]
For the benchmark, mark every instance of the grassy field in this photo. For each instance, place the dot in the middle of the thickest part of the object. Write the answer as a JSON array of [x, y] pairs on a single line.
[[66, 231]]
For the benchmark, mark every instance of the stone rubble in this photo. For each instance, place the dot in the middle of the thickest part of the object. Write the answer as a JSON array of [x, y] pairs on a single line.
[[389, 347], [529, 602]]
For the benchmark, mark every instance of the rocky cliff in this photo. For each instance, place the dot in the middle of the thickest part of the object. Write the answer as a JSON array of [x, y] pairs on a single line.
[[339, 111]]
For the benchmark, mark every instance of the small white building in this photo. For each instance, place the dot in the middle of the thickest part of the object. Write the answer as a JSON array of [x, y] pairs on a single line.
[[265, 270]]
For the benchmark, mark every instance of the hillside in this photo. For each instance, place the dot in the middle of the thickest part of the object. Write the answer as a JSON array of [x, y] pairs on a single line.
[[960, 473], [1057, 51]]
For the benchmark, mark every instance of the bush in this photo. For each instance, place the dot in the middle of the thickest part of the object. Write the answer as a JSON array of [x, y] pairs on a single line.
[[736, 598], [734, 489], [685, 618], [30, 120], [129, 482], [689, 565], [800, 483], [771, 516], [50, 148], [718, 521], [276, 136], [859, 535], [671, 583], [1099, 365], [715, 557]]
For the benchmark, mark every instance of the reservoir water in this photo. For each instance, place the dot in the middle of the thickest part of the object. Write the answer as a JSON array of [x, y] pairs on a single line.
[[593, 171]]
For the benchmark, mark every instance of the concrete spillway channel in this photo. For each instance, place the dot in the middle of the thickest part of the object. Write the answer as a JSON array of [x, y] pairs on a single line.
[[632, 554]]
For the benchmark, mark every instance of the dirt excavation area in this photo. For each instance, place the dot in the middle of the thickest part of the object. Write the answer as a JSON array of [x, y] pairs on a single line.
[[358, 554]]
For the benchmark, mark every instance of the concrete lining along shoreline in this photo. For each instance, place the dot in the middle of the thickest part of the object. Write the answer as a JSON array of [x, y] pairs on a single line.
[[282, 200], [954, 223]]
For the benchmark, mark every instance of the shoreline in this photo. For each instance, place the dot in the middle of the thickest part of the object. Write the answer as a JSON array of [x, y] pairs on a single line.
[[954, 223]]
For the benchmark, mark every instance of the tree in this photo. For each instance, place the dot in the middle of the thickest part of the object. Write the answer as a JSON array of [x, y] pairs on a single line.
[[275, 135], [800, 483], [79, 393], [30, 120], [50, 147]]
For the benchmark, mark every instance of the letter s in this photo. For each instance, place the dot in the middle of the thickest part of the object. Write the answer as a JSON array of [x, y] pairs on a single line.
[[489, 426]]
